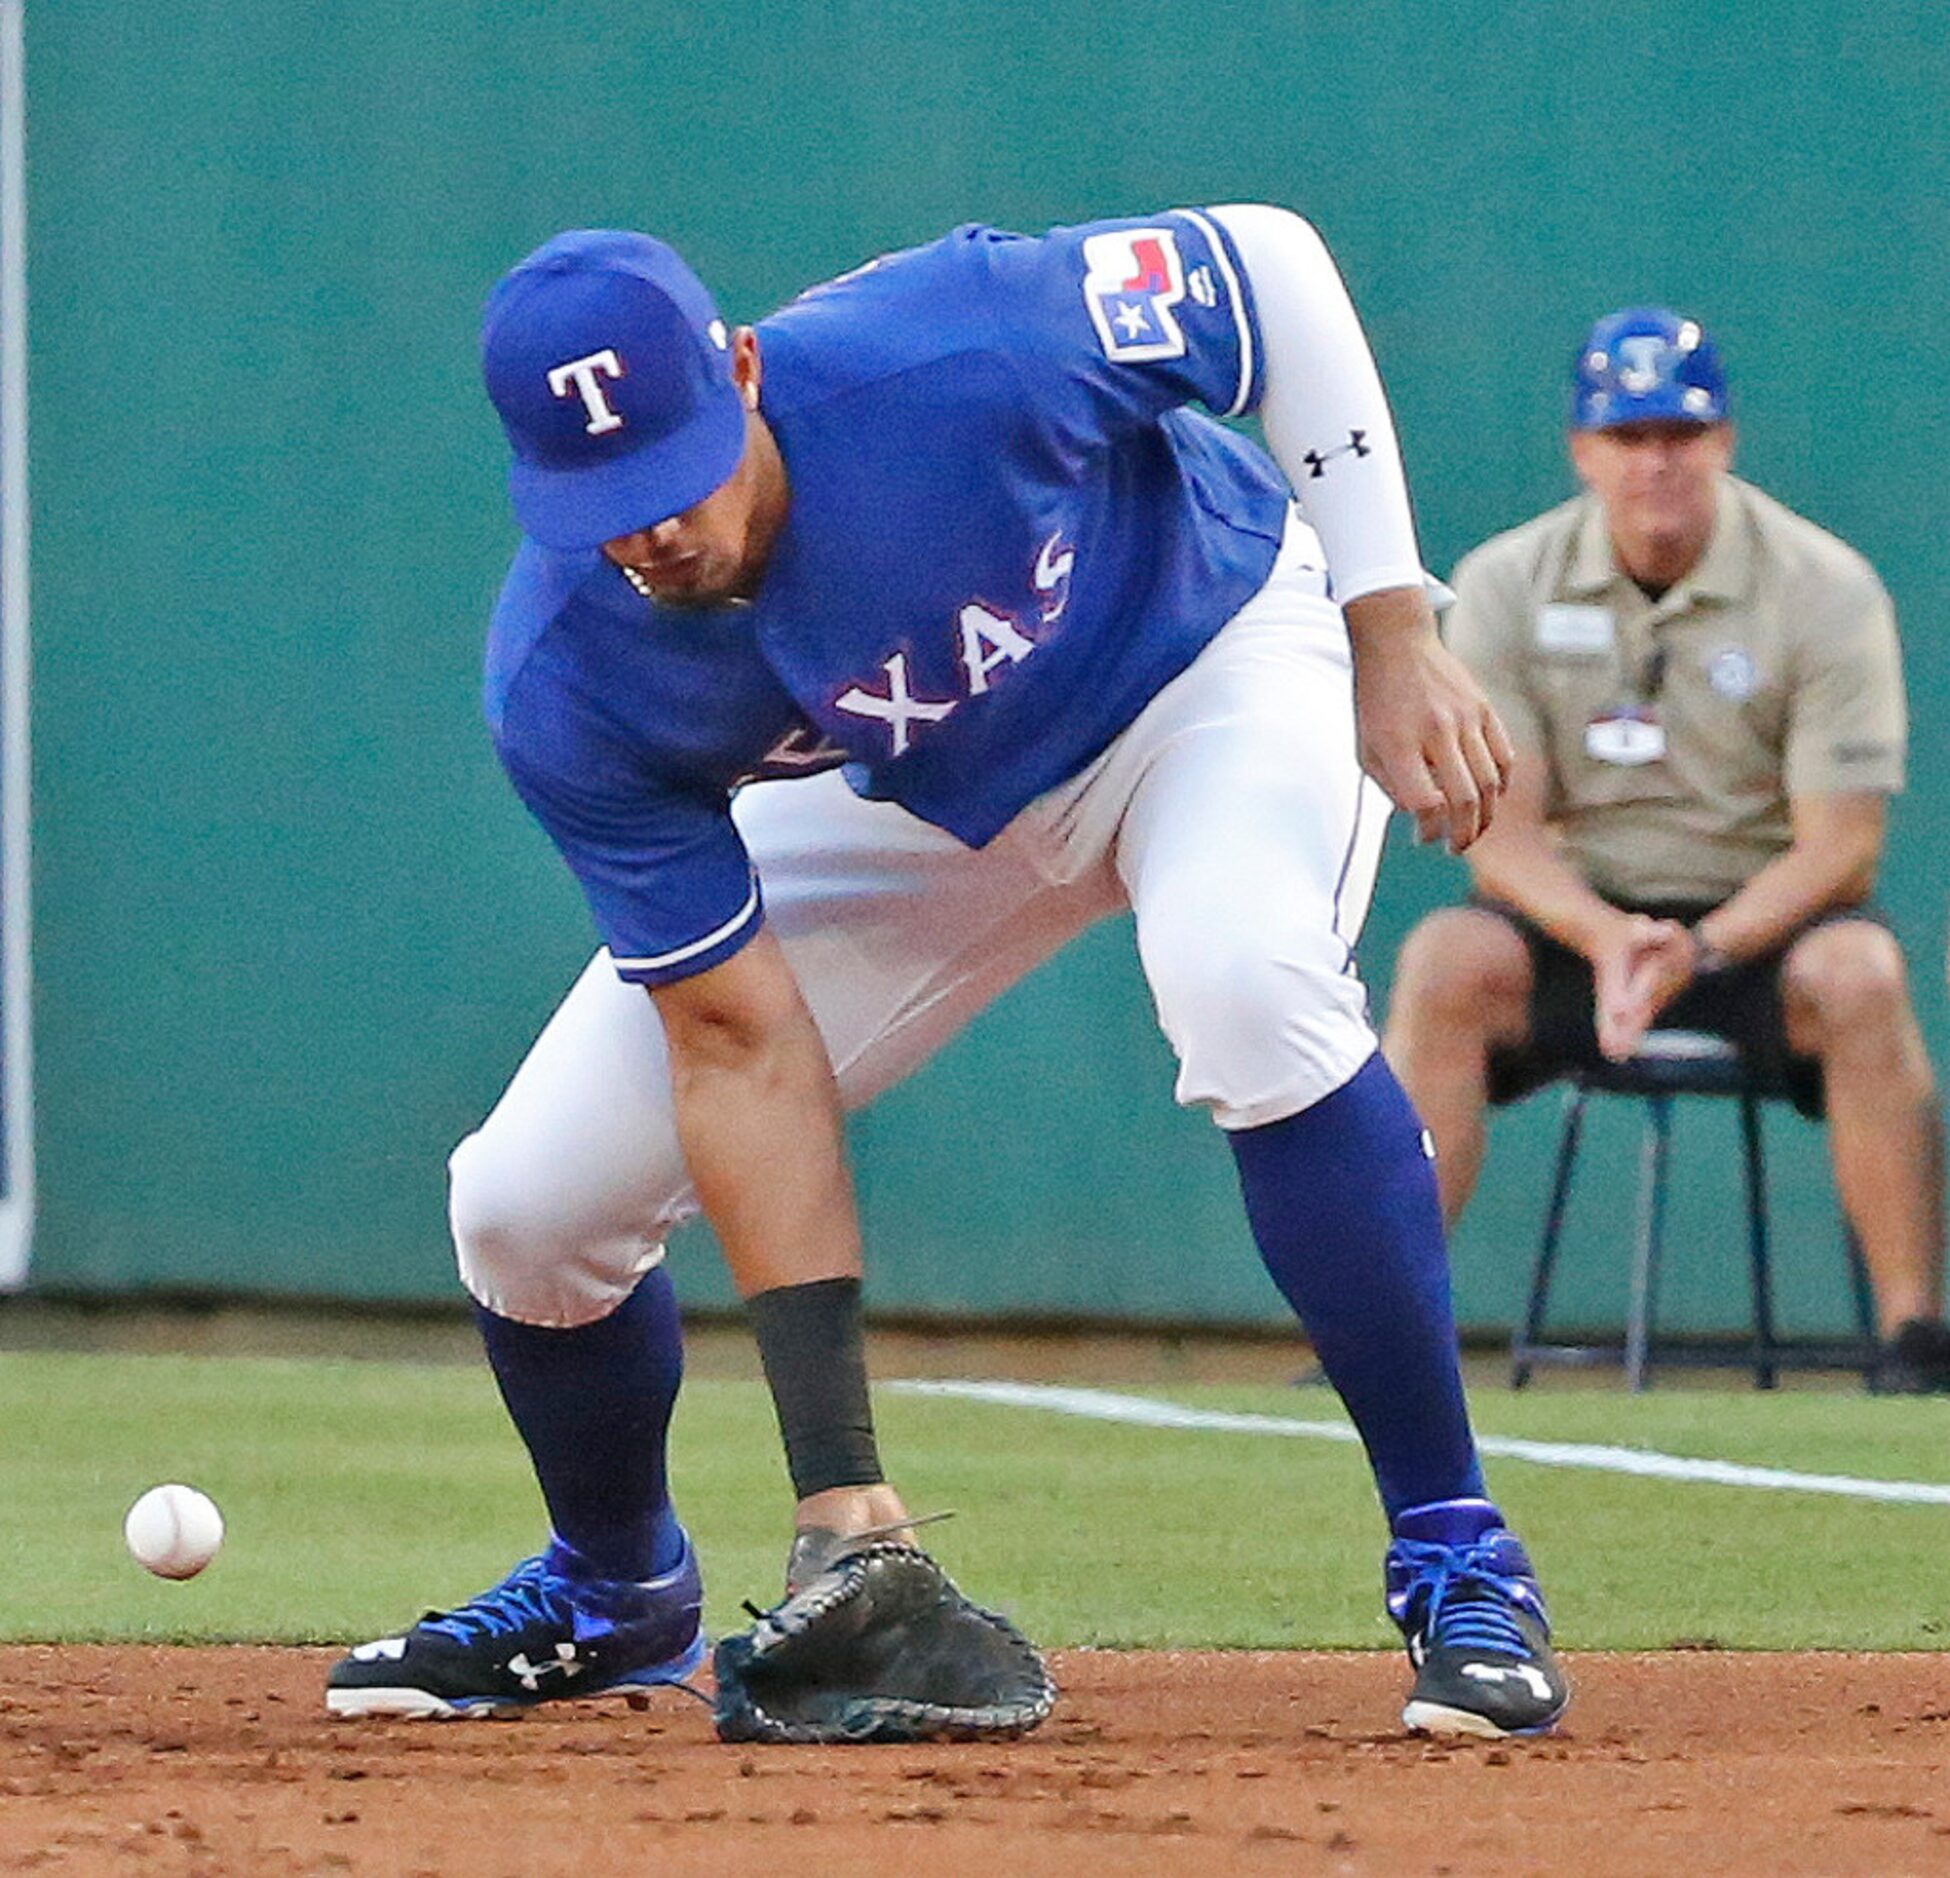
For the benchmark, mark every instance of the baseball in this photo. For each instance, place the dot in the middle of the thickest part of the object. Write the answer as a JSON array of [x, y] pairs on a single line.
[[174, 1531]]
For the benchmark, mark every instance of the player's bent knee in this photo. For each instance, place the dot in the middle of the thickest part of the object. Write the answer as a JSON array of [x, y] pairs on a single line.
[[530, 1252], [1261, 1030]]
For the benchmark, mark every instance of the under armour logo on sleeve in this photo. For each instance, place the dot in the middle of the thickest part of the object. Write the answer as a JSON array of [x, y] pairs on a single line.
[[578, 377], [1318, 460]]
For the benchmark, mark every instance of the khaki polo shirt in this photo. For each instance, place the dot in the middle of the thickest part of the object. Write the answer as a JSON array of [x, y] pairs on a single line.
[[1772, 671]]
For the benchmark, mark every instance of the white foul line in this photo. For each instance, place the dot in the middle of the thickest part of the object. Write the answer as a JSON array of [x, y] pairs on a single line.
[[1144, 1412]]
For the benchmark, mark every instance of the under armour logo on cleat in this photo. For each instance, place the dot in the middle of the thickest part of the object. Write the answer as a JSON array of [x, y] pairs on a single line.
[[1511, 1672], [530, 1675], [381, 1649], [1317, 461]]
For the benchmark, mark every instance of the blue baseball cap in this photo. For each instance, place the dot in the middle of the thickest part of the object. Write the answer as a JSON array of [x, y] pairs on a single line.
[[1646, 363], [611, 370]]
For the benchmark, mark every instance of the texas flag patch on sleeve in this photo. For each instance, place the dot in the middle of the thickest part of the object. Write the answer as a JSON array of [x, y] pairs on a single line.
[[1132, 279]]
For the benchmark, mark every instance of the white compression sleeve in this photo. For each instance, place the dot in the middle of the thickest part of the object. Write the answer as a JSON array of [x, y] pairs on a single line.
[[1326, 416]]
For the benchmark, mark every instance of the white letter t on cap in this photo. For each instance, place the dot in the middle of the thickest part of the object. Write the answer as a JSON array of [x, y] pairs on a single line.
[[582, 374]]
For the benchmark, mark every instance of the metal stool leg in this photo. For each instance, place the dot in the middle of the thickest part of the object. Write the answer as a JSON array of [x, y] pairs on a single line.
[[1765, 1376], [1645, 1259], [1540, 1278], [1865, 1302]]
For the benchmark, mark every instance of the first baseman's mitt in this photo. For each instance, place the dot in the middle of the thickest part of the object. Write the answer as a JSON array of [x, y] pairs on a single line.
[[880, 1646]]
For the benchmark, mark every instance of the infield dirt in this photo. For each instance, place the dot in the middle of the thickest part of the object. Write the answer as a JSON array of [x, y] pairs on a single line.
[[217, 1761]]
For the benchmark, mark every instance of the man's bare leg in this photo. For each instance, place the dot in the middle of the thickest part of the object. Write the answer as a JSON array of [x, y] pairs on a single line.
[[1847, 999], [1462, 989]]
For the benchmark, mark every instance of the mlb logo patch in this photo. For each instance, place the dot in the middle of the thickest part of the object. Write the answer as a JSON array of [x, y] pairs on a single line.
[[1133, 277]]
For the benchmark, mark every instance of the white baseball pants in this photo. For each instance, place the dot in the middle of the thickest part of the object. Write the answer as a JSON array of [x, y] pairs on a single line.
[[1233, 820]]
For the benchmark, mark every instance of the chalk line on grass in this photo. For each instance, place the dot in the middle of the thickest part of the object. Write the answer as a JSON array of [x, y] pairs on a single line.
[[1145, 1412]]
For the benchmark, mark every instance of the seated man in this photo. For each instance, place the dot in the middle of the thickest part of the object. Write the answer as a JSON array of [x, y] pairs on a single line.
[[1706, 695]]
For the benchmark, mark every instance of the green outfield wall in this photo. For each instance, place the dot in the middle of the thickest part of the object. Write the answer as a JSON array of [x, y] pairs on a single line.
[[292, 932]]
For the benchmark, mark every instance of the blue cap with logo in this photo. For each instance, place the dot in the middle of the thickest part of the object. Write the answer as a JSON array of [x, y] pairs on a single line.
[[611, 370], [1646, 364]]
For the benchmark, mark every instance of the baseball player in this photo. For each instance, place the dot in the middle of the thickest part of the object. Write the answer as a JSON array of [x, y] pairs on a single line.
[[855, 662]]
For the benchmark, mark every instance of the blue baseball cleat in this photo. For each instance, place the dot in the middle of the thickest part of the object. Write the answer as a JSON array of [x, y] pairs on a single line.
[[538, 1636], [1475, 1623]]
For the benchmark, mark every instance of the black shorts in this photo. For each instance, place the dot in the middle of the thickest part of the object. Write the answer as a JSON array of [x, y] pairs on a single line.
[[1742, 1004]]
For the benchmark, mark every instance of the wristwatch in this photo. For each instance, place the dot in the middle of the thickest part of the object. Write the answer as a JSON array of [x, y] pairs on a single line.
[[1710, 959]]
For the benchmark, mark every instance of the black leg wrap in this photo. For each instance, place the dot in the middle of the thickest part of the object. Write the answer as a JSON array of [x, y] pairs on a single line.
[[810, 1341]]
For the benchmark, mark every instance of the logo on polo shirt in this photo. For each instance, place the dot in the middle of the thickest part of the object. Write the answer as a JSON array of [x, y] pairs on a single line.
[[1733, 674]]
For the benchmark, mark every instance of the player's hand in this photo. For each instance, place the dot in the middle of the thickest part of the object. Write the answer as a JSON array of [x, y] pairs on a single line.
[[1428, 735], [1640, 967]]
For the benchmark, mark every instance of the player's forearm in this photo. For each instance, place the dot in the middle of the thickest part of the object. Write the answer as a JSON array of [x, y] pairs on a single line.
[[1326, 416], [1794, 888], [764, 1147], [758, 1115]]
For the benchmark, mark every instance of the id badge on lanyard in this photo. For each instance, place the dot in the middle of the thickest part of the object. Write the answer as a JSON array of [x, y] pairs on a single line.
[[1630, 733], [1627, 735]]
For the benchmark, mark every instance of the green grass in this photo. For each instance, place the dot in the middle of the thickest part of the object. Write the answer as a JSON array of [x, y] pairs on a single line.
[[357, 1494]]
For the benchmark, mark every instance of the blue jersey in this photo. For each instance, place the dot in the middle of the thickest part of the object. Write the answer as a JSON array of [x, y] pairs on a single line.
[[1005, 536]]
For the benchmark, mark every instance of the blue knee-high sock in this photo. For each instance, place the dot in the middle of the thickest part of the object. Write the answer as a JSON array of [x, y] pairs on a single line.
[[1342, 1200], [593, 1404]]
